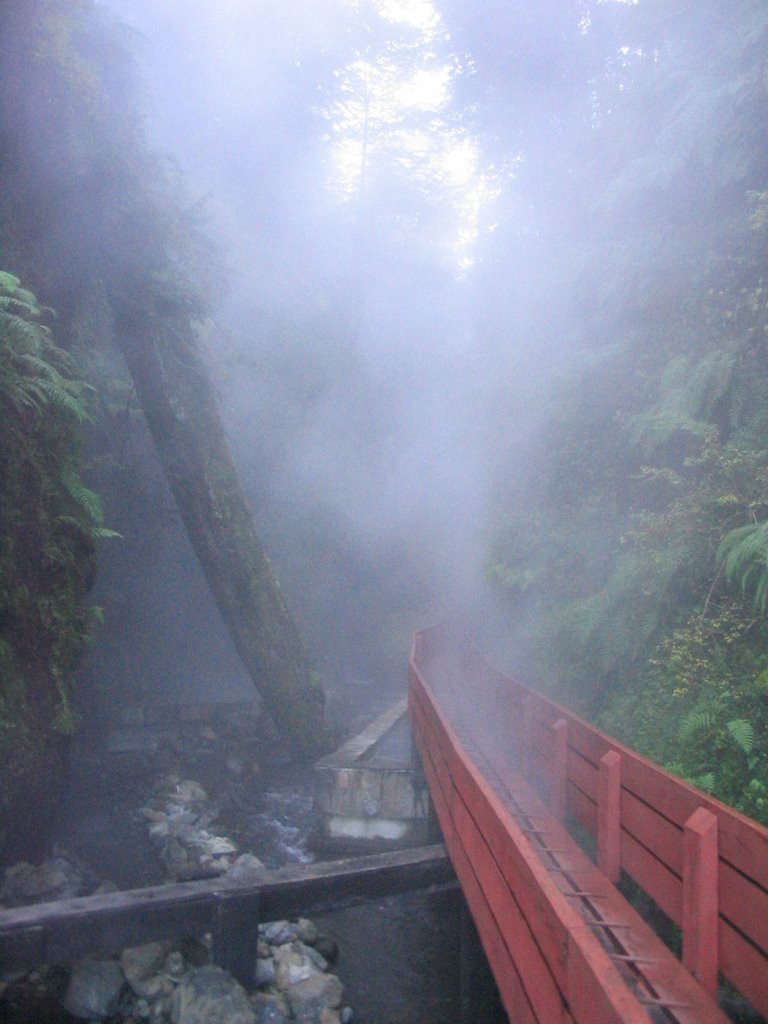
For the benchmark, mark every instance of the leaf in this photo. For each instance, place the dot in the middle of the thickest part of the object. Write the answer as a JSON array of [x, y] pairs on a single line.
[[697, 721], [742, 734]]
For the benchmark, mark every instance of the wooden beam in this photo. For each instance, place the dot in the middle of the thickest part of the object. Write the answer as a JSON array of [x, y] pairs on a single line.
[[63, 931], [700, 909], [609, 816], [559, 777]]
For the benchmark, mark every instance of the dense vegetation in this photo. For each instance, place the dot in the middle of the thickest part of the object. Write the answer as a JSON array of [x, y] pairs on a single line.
[[639, 564], [48, 523]]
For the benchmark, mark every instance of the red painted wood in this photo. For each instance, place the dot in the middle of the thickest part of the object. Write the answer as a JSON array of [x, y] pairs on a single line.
[[744, 965], [559, 778], [655, 832], [700, 910], [491, 818], [583, 809], [740, 901], [654, 807], [609, 816], [600, 994]]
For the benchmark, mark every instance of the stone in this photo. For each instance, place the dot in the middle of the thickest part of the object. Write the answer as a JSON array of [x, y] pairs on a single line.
[[246, 868], [346, 1015], [277, 933], [307, 931], [270, 1009], [263, 949], [174, 964], [265, 972], [329, 1016], [313, 956], [290, 967], [105, 887], [208, 995], [140, 965], [55, 879], [94, 989], [308, 998]]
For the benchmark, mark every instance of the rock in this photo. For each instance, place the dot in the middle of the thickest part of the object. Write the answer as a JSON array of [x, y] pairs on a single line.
[[307, 931], [346, 1015], [105, 887], [265, 972], [141, 1009], [313, 956], [290, 967], [263, 949], [140, 965], [328, 1016], [174, 964], [56, 879], [208, 995], [94, 989], [307, 999], [246, 868], [270, 1009], [277, 933]]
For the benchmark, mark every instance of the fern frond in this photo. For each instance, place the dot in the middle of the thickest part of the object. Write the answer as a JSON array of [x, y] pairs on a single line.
[[87, 499], [696, 722], [60, 395], [705, 782], [742, 733]]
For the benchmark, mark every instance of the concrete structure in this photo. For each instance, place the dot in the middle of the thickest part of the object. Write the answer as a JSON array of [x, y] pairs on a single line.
[[370, 794]]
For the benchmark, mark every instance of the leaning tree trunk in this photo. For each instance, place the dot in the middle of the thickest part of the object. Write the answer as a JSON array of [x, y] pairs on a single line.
[[177, 396]]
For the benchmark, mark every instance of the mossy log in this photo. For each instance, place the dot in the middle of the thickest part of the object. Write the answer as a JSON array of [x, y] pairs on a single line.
[[176, 392]]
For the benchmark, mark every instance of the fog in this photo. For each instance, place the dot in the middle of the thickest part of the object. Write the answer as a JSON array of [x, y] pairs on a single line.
[[453, 242], [353, 198]]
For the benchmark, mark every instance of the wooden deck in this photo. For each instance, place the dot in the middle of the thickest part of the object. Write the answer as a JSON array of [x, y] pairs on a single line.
[[505, 768]]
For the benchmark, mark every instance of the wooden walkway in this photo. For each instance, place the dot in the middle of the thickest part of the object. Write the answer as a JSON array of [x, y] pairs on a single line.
[[506, 768]]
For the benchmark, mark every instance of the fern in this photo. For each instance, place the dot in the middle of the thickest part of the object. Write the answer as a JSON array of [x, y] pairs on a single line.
[[87, 499], [742, 733], [743, 556], [697, 721], [705, 782]]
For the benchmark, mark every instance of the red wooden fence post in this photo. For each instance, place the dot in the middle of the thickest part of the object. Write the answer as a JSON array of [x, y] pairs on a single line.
[[559, 790], [526, 738], [700, 905], [609, 816]]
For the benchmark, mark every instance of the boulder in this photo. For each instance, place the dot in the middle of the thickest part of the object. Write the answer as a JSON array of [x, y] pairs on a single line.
[[270, 1009], [246, 868], [307, 999], [290, 967], [208, 995], [94, 989], [307, 931], [56, 879], [140, 965]]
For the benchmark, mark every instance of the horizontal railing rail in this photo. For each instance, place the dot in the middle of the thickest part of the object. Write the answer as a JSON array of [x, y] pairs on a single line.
[[703, 863]]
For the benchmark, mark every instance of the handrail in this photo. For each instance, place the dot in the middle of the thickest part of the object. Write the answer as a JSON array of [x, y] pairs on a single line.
[[703, 863]]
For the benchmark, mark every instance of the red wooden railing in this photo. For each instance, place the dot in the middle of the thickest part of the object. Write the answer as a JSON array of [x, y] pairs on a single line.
[[703, 863]]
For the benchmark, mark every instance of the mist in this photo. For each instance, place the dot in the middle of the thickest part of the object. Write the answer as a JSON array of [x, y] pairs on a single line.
[[357, 379]]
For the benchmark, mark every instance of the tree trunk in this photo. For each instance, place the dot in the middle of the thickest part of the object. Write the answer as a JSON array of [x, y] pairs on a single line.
[[177, 396]]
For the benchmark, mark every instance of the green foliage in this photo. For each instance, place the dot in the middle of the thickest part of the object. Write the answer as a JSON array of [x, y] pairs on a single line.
[[48, 522], [743, 555]]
